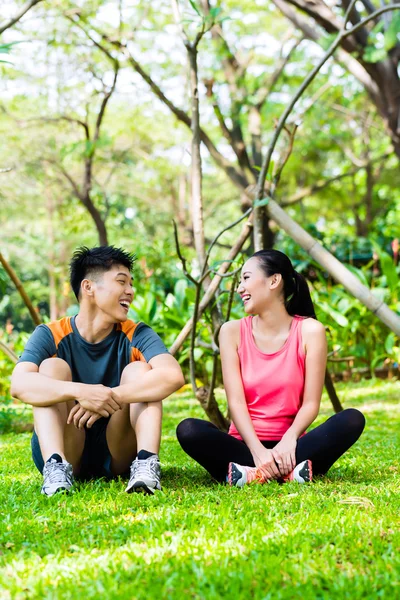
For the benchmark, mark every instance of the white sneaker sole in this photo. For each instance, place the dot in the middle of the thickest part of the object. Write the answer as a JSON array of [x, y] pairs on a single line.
[[61, 488], [141, 487]]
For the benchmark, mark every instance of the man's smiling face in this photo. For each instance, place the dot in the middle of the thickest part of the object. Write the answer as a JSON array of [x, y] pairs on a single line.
[[113, 293]]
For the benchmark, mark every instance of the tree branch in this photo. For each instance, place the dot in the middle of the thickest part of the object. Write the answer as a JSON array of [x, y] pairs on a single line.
[[234, 174], [20, 288], [310, 77], [320, 185], [8, 352], [24, 9], [347, 60]]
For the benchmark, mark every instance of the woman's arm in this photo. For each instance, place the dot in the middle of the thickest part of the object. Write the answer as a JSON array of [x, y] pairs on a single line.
[[314, 341], [228, 343]]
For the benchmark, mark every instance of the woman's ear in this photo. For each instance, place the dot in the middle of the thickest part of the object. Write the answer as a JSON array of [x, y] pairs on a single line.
[[275, 280]]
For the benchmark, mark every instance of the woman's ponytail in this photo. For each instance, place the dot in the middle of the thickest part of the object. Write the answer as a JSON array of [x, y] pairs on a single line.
[[297, 295], [299, 302]]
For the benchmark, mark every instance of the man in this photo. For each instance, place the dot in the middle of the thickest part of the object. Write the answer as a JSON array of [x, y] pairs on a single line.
[[96, 382]]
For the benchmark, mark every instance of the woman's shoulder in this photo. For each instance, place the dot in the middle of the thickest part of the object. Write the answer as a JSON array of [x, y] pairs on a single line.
[[231, 330], [312, 328]]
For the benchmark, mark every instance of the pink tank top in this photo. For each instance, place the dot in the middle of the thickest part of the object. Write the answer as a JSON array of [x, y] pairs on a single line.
[[273, 383]]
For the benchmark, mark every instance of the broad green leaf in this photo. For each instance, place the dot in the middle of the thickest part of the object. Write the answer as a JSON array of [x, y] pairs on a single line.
[[336, 316], [195, 8], [214, 12], [388, 267], [358, 273], [390, 342]]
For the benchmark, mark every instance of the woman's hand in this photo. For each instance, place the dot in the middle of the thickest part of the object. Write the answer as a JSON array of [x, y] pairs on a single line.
[[264, 460], [284, 453]]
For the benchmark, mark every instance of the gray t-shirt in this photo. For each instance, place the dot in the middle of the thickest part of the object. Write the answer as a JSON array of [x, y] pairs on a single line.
[[93, 363]]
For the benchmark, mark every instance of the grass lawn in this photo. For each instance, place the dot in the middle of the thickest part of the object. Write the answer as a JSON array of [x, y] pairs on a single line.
[[336, 538]]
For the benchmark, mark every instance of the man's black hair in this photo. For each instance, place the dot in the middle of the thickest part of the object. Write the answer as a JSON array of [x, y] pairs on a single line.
[[91, 262]]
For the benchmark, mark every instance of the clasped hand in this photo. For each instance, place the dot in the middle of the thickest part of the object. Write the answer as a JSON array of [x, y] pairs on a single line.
[[278, 462], [94, 402], [284, 454]]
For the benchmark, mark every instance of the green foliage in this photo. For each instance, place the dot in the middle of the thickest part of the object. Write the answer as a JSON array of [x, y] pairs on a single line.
[[335, 538], [392, 33]]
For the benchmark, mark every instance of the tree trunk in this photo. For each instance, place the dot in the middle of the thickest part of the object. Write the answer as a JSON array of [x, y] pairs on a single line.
[[333, 397], [196, 172], [16, 281], [51, 258], [98, 220], [211, 409]]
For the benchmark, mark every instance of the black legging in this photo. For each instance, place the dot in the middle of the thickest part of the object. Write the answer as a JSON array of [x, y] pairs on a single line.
[[214, 449]]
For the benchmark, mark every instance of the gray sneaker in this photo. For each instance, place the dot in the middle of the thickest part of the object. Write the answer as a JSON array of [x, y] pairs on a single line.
[[145, 475], [57, 476]]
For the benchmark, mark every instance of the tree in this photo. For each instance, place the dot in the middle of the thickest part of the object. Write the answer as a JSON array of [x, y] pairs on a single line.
[[377, 62], [13, 20]]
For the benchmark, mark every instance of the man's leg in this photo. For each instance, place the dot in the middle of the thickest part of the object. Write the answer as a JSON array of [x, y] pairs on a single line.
[[135, 430], [59, 443]]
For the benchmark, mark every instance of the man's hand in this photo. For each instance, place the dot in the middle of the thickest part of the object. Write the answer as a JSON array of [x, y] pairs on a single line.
[[98, 399], [284, 454], [80, 417], [265, 461]]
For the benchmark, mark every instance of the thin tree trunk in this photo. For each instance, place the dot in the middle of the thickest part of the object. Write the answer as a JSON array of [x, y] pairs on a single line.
[[98, 220], [10, 353], [196, 172], [51, 258], [17, 282], [333, 397]]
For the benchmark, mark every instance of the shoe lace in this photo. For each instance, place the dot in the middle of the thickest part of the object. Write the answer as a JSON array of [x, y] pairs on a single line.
[[58, 472], [147, 467], [258, 475]]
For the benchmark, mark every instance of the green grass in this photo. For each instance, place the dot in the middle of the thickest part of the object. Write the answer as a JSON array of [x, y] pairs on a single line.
[[336, 538]]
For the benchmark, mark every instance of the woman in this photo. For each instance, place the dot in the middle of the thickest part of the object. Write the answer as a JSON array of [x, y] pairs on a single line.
[[273, 365]]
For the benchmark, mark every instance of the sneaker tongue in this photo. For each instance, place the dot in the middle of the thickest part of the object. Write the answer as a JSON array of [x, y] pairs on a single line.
[[55, 458]]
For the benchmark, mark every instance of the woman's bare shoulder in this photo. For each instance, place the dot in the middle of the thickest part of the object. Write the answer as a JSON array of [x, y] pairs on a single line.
[[311, 328], [230, 329]]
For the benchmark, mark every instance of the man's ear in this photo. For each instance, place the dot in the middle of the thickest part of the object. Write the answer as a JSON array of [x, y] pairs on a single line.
[[87, 287], [275, 280]]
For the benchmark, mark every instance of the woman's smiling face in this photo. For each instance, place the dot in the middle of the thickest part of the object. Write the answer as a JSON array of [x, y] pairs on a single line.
[[255, 288]]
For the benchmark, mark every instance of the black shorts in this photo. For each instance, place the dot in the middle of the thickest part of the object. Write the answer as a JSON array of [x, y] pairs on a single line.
[[96, 457]]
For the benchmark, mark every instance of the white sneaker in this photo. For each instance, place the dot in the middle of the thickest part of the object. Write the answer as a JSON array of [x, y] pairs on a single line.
[[57, 476], [145, 475]]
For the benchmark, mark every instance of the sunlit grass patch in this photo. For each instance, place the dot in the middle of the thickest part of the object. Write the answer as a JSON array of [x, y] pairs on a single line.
[[336, 538]]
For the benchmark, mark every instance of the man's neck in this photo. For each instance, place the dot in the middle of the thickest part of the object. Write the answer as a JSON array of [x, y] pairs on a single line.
[[92, 327]]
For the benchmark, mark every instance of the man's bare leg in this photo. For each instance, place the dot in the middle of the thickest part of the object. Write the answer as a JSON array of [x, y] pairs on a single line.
[[135, 430], [135, 427], [55, 436]]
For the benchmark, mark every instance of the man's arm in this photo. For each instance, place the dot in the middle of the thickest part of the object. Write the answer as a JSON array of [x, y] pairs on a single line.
[[164, 378], [31, 387]]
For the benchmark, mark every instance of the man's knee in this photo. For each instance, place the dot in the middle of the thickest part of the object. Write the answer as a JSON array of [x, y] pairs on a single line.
[[56, 368], [134, 370]]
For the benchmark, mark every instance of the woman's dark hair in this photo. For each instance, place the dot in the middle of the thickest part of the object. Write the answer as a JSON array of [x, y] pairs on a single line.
[[93, 262], [297, 295]]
